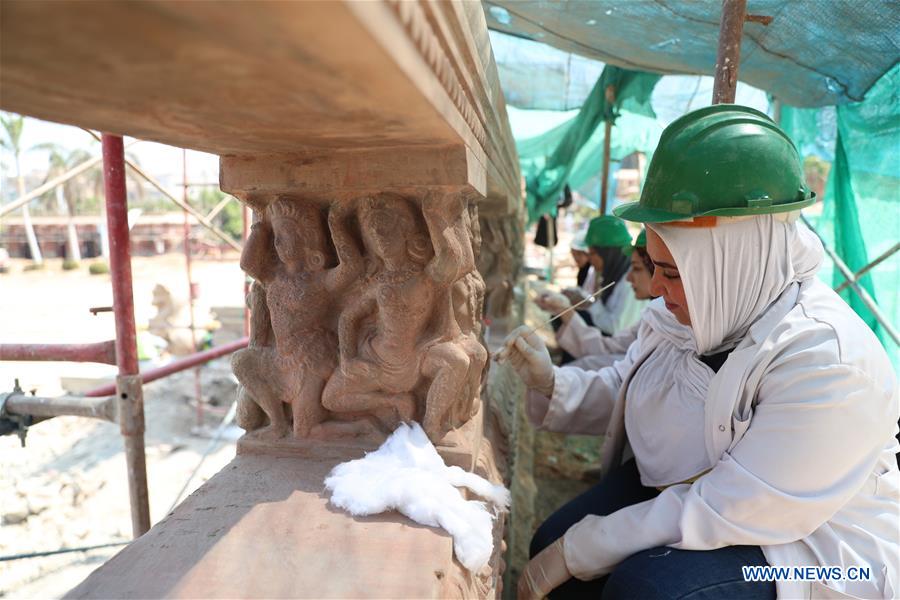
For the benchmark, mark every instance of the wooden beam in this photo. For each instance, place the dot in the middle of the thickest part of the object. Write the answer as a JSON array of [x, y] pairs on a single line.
[[728, 58], [604, 182]]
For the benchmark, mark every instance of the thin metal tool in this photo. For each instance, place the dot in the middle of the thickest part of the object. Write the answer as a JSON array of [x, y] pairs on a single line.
[[496, 355]]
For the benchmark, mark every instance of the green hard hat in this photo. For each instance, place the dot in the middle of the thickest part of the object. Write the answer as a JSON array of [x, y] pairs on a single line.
[[607, 230], [723, 160], [641, 241]]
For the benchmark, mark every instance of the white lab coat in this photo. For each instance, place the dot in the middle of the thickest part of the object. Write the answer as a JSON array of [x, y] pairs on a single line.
[[799, 428], [590, 347], [621, 309]]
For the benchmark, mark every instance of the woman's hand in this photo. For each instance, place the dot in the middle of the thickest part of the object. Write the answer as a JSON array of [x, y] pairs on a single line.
[[528, 355], [544, 573], [575, 295], [553, 302]]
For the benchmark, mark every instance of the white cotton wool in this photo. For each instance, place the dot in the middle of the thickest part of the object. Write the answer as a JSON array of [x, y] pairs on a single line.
[[407, 474]]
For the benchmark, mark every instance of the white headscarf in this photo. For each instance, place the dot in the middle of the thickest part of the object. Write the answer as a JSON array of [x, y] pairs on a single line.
[[579, 243], [732, 272], [665, 402]]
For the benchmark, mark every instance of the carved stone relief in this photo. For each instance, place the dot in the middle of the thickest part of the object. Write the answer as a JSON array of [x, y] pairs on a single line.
[[500, 262], [365, 313]]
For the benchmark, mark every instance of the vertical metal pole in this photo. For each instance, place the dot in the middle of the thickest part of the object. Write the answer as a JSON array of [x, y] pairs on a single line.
[[604, 182], [245, 213], [190, 279], [128, 383], [728, 58]]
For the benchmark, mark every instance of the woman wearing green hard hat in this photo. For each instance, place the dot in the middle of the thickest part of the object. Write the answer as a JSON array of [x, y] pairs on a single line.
[[589, 348], [579, 252], [615, 308], [766, 438]]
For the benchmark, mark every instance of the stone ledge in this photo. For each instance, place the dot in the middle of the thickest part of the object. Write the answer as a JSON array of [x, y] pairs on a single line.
[[262, 528]]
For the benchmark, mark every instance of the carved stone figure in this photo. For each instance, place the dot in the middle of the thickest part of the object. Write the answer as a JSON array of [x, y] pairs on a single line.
[[501, 262], [249, 414], [400, 334], [458, 214], [300, 291], [468, 301], [384, 328], [172, 321]]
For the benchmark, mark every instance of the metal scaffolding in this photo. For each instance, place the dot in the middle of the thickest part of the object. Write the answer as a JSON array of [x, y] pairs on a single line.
[[121, 402]]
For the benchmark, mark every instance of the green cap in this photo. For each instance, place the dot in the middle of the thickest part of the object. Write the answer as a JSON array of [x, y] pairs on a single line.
[[639, 242], [606, 231], [722, 160]]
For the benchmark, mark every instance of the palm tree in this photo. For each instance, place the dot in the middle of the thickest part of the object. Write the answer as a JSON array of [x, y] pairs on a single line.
[[68, 193], [12, 128], [92, 179]]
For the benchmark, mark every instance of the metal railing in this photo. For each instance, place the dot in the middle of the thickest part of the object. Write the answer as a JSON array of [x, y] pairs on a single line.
[[852, 280]]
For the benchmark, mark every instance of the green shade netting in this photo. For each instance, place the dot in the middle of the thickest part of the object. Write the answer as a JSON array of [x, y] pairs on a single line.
[[860, 212], [814, 52], [539, 77], [632, 133], [568, 152]]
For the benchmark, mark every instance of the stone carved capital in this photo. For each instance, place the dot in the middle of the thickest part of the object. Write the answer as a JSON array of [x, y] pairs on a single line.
[[366, 312]]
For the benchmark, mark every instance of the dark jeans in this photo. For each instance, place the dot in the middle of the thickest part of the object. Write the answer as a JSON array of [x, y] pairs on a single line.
[[657, 573]]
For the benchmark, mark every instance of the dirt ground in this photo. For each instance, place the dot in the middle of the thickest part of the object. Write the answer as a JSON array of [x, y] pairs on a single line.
[[67, 487]]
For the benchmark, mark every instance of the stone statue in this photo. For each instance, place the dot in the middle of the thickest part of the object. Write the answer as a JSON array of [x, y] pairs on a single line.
[[289, 254], [468, 301], [172, 321], [250, 415]]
